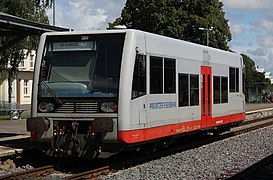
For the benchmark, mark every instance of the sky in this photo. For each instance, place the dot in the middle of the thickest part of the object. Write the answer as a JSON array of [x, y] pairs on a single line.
[[250, 21]]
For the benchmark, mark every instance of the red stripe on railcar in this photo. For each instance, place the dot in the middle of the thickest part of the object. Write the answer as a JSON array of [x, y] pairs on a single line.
[[141, 135]]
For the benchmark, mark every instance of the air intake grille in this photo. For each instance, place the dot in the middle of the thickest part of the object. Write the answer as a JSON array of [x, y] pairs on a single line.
[[78, 107]]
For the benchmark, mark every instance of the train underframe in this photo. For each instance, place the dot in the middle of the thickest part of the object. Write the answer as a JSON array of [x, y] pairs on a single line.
[[85, 139]]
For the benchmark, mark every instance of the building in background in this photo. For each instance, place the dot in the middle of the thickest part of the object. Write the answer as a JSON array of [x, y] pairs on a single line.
[[22, 85]]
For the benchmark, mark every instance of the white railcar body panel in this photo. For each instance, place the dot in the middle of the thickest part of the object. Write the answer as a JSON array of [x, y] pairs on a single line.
[[140, 113]]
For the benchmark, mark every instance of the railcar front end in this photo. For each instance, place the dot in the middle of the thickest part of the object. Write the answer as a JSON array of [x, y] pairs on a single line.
[[75, 94]]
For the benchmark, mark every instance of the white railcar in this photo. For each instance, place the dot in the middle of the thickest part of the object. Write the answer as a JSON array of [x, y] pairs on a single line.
[[107, 90]]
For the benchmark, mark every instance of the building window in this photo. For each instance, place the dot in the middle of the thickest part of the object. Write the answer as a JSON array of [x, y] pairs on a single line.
[[25, 87], [233, 79], [31, 64], [169, 75], [139, 78], [156, 75], [22, 63]]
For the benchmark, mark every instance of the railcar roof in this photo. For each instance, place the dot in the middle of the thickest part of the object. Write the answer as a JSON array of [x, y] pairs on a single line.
[[156, 38]]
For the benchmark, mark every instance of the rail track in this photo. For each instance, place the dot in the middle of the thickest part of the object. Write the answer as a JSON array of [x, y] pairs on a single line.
[[37, 172], [127, 160], [142, 159]]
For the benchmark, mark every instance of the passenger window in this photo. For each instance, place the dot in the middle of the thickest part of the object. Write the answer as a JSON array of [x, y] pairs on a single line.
[[216, 89], [224, 89], [233, 79], [169, 75], [237, 79], [156, 75], [220, 89], [183, 87], [194, 89], [139, 78]]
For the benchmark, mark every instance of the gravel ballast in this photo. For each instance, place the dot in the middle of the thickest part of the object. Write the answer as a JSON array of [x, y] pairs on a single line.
[[206, 162]]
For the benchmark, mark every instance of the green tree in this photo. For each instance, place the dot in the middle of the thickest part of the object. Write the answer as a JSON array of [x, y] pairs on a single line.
[[10, 58], [253, 79], [179, 19], [207, 14]]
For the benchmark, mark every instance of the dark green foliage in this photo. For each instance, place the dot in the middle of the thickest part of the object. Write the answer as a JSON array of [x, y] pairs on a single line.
[[10, 58], [179, 19], [27, 9], [253, 79]]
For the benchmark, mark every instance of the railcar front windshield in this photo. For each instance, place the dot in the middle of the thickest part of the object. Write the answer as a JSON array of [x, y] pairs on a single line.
[[81, 65]]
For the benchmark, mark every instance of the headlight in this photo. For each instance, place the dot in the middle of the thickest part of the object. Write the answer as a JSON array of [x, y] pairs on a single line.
[[108, 107], [46, 107]]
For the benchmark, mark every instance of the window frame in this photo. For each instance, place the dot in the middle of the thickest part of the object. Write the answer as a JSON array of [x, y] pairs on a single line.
[[194, 97], [156, 75], [26, 87], [139, 74], [216, 100], [222, 88], [183, 81], [234, 78], [169, 76]]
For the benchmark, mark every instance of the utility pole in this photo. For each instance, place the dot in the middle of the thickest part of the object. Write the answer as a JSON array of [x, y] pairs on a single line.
[[207, 29], [53, 4]]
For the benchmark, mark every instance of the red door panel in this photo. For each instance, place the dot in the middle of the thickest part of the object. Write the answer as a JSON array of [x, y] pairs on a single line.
[[206, 96]]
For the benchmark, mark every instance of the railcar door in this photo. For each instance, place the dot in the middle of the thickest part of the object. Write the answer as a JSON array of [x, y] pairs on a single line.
[[206, 97]]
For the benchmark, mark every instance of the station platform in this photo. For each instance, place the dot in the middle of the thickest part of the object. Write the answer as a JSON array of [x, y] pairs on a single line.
[[14, 139]]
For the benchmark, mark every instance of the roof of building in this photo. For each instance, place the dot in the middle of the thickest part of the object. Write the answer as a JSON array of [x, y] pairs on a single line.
[[12, 25], [20, 28]]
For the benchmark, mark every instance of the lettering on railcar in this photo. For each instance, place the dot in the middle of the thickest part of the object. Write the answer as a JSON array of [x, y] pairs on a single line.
[[162, 105]]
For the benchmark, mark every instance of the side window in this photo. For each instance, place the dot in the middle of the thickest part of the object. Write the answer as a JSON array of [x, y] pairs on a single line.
[[194, 89], [156, 75], [169, 75], [224, 89], [233, 79], [237, 79], [139, 78], [183, 86], [188, 90], [216, 90], [220, 89]]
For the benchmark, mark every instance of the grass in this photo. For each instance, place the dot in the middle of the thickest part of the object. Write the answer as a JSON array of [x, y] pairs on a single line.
[[5, 117]]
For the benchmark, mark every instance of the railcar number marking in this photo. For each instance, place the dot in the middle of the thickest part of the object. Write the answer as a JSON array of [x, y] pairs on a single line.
[[219, 122]]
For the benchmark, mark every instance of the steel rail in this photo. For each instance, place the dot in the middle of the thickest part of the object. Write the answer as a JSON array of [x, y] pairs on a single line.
[[36, 172]]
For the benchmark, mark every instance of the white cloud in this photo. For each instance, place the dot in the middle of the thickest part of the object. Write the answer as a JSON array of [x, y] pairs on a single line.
[[265, 25], [257, 52], [249, 4], [265, 41], [85, 14], [237, 30], [261, 56]]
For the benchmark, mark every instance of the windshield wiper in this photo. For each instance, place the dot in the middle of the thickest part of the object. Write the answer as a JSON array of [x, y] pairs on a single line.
[[51, 92]]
